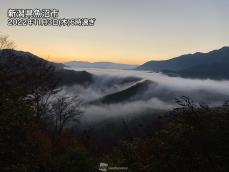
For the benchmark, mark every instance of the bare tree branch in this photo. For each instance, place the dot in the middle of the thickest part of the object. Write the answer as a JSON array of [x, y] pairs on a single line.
[[65, 110], [5, 43]]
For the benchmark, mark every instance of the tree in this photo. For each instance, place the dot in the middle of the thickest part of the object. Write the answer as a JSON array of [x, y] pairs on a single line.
[[28, 101], [5, 43], [26, 85], [43, 83], [23, 144], [65, 110]]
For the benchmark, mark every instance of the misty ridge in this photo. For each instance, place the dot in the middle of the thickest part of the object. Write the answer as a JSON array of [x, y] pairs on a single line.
[[117, 92]]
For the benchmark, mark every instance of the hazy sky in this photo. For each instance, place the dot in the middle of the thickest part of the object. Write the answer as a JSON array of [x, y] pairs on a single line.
[[126, 31]]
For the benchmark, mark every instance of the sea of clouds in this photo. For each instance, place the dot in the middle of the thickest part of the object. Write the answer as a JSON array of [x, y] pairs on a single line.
[[160, 95]]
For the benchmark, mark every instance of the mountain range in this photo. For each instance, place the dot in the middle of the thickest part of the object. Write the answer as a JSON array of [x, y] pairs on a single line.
[[103, 65], [214, 65]]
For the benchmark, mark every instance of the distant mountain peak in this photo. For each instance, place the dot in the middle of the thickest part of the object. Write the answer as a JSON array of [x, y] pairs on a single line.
[[104, 65], [213, 64]]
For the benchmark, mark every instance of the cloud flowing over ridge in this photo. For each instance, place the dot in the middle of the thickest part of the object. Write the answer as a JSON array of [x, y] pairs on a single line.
[[159, 95]]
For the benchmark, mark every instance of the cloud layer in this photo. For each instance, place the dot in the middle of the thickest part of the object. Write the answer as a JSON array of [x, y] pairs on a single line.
[[160, 95]]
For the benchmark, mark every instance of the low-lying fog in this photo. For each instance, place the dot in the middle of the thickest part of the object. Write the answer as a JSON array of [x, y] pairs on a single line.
[[142, 97]]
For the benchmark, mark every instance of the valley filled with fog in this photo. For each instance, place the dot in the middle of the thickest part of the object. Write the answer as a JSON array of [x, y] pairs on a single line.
[[126, 94]]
